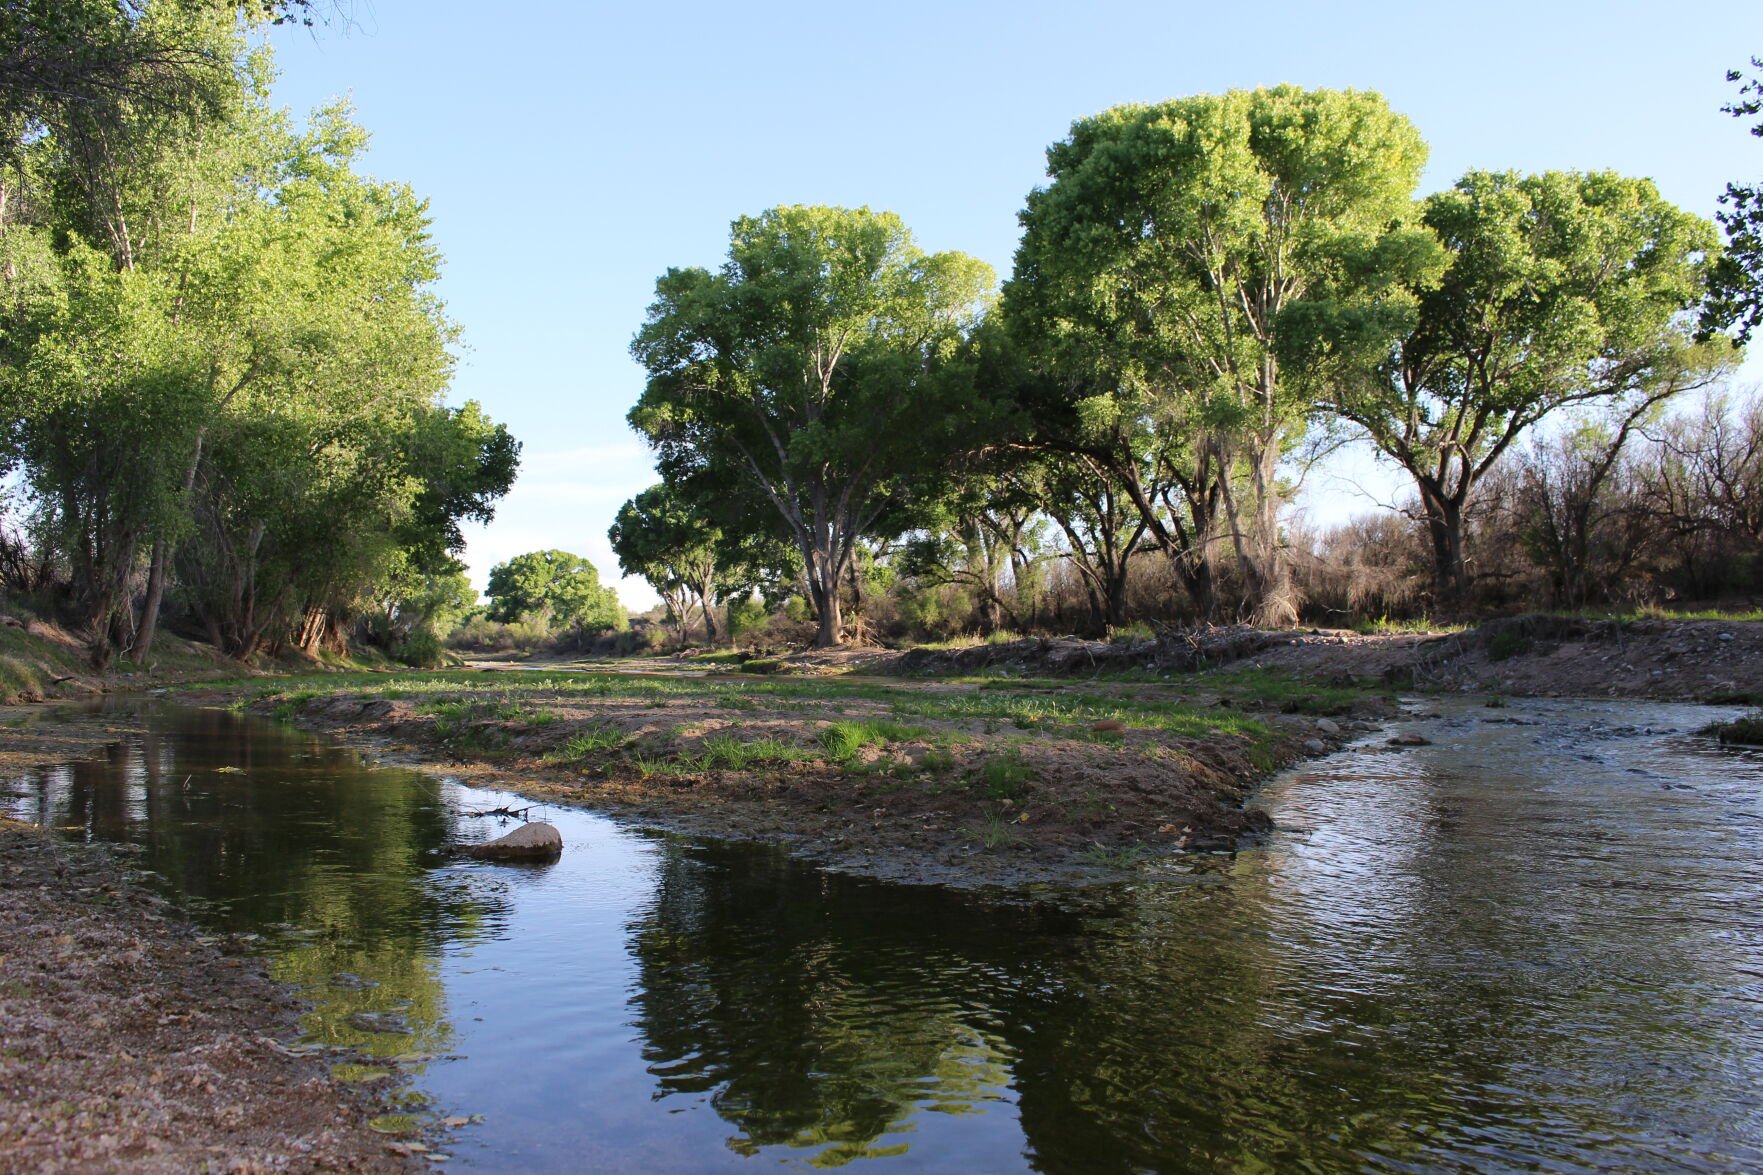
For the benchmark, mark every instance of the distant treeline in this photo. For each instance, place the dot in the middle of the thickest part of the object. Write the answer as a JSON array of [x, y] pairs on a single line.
[[222, 360], [1210, 295]]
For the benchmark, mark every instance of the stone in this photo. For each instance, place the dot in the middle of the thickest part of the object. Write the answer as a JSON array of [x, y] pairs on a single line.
[[1410, 740], [1315, 746], [1328, 726], [537, 841]]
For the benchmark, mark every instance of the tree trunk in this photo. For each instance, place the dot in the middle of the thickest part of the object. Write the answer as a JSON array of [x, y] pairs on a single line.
[[161, 557], [150, 606], [830, 635], [709, 609], [1444, 524]]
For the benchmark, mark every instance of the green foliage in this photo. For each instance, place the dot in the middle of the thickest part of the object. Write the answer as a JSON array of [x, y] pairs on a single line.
[[221, 351], [1153, 285], [1549, 290], [557, 585], [746, 613], [421, 649], [661, 537], [814, 385]]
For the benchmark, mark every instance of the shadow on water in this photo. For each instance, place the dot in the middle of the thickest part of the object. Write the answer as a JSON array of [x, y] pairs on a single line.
[[1533, 944]]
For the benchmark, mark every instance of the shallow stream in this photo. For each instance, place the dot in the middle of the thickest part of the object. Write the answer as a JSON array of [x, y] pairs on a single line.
[[1535, 944]]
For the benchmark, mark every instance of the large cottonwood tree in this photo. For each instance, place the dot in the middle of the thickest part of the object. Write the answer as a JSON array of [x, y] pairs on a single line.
[[819, 373], [1557, 289], [1156, 267]]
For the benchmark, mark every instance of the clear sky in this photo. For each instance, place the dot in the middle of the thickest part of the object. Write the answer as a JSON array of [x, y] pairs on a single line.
[[572, 152]]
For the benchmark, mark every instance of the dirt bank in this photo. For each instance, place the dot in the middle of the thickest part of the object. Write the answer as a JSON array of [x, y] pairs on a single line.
[[1524, 656], [129, 1043], [952, 781]]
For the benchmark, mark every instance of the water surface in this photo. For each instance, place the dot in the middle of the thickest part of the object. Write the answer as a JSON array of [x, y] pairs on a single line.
[[1535, 944]]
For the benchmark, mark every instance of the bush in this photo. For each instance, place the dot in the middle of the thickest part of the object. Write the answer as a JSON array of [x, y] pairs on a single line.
[[745, 616], [1745, 731], [420, 649]]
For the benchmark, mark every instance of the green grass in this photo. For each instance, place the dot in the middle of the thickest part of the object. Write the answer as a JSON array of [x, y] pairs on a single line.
[[937, 760], [764, 665], [1005, 776], [730, 752], [1743, 731], [461, 699], [1415, 625], [1659, 613], [842, 740], [968, 640], [583, 743], [996, 833]]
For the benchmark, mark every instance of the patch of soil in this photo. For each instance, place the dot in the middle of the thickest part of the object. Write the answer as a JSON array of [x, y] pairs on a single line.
[[129, 1044]]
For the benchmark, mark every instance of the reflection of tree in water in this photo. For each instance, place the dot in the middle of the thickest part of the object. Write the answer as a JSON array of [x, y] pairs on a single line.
[[817, 1011], [1163, 1030], [265, 829]]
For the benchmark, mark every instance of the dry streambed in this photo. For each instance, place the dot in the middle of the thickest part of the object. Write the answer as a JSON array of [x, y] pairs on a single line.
[[968, 779]]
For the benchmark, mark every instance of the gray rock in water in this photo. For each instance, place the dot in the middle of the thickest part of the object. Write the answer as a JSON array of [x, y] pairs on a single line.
[[1315, 746], [1328, 726], [537, 841], [379, 1022]]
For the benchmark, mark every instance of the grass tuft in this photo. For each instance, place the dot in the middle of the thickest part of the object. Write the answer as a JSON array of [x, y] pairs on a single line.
[[842, 740]]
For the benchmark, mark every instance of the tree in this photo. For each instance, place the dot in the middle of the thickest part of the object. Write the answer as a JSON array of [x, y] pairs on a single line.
[[984, 537], [1156, 268], [232, 373], [816, 377], [1557, 289], [555, 584], [1735, 279], [659, 536]]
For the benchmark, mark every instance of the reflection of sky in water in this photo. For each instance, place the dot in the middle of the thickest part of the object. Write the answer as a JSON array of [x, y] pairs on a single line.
[[1523, 945]]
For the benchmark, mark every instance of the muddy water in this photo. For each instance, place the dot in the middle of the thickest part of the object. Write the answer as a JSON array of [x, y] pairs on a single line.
[[1536, 943]]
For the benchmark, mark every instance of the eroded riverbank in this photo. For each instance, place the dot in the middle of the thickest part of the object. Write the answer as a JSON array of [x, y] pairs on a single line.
[[976, 781]]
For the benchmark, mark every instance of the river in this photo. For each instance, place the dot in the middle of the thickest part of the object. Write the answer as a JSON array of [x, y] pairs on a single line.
[[1534, 944]]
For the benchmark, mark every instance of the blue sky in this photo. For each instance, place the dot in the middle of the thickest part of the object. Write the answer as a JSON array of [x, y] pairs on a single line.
[[572, 152]]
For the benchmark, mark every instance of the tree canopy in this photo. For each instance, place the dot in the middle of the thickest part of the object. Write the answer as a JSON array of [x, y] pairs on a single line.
[[1556, 289], [223, 364], [563, 587], [1735, 280], [1157, 266], [814, 381]]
